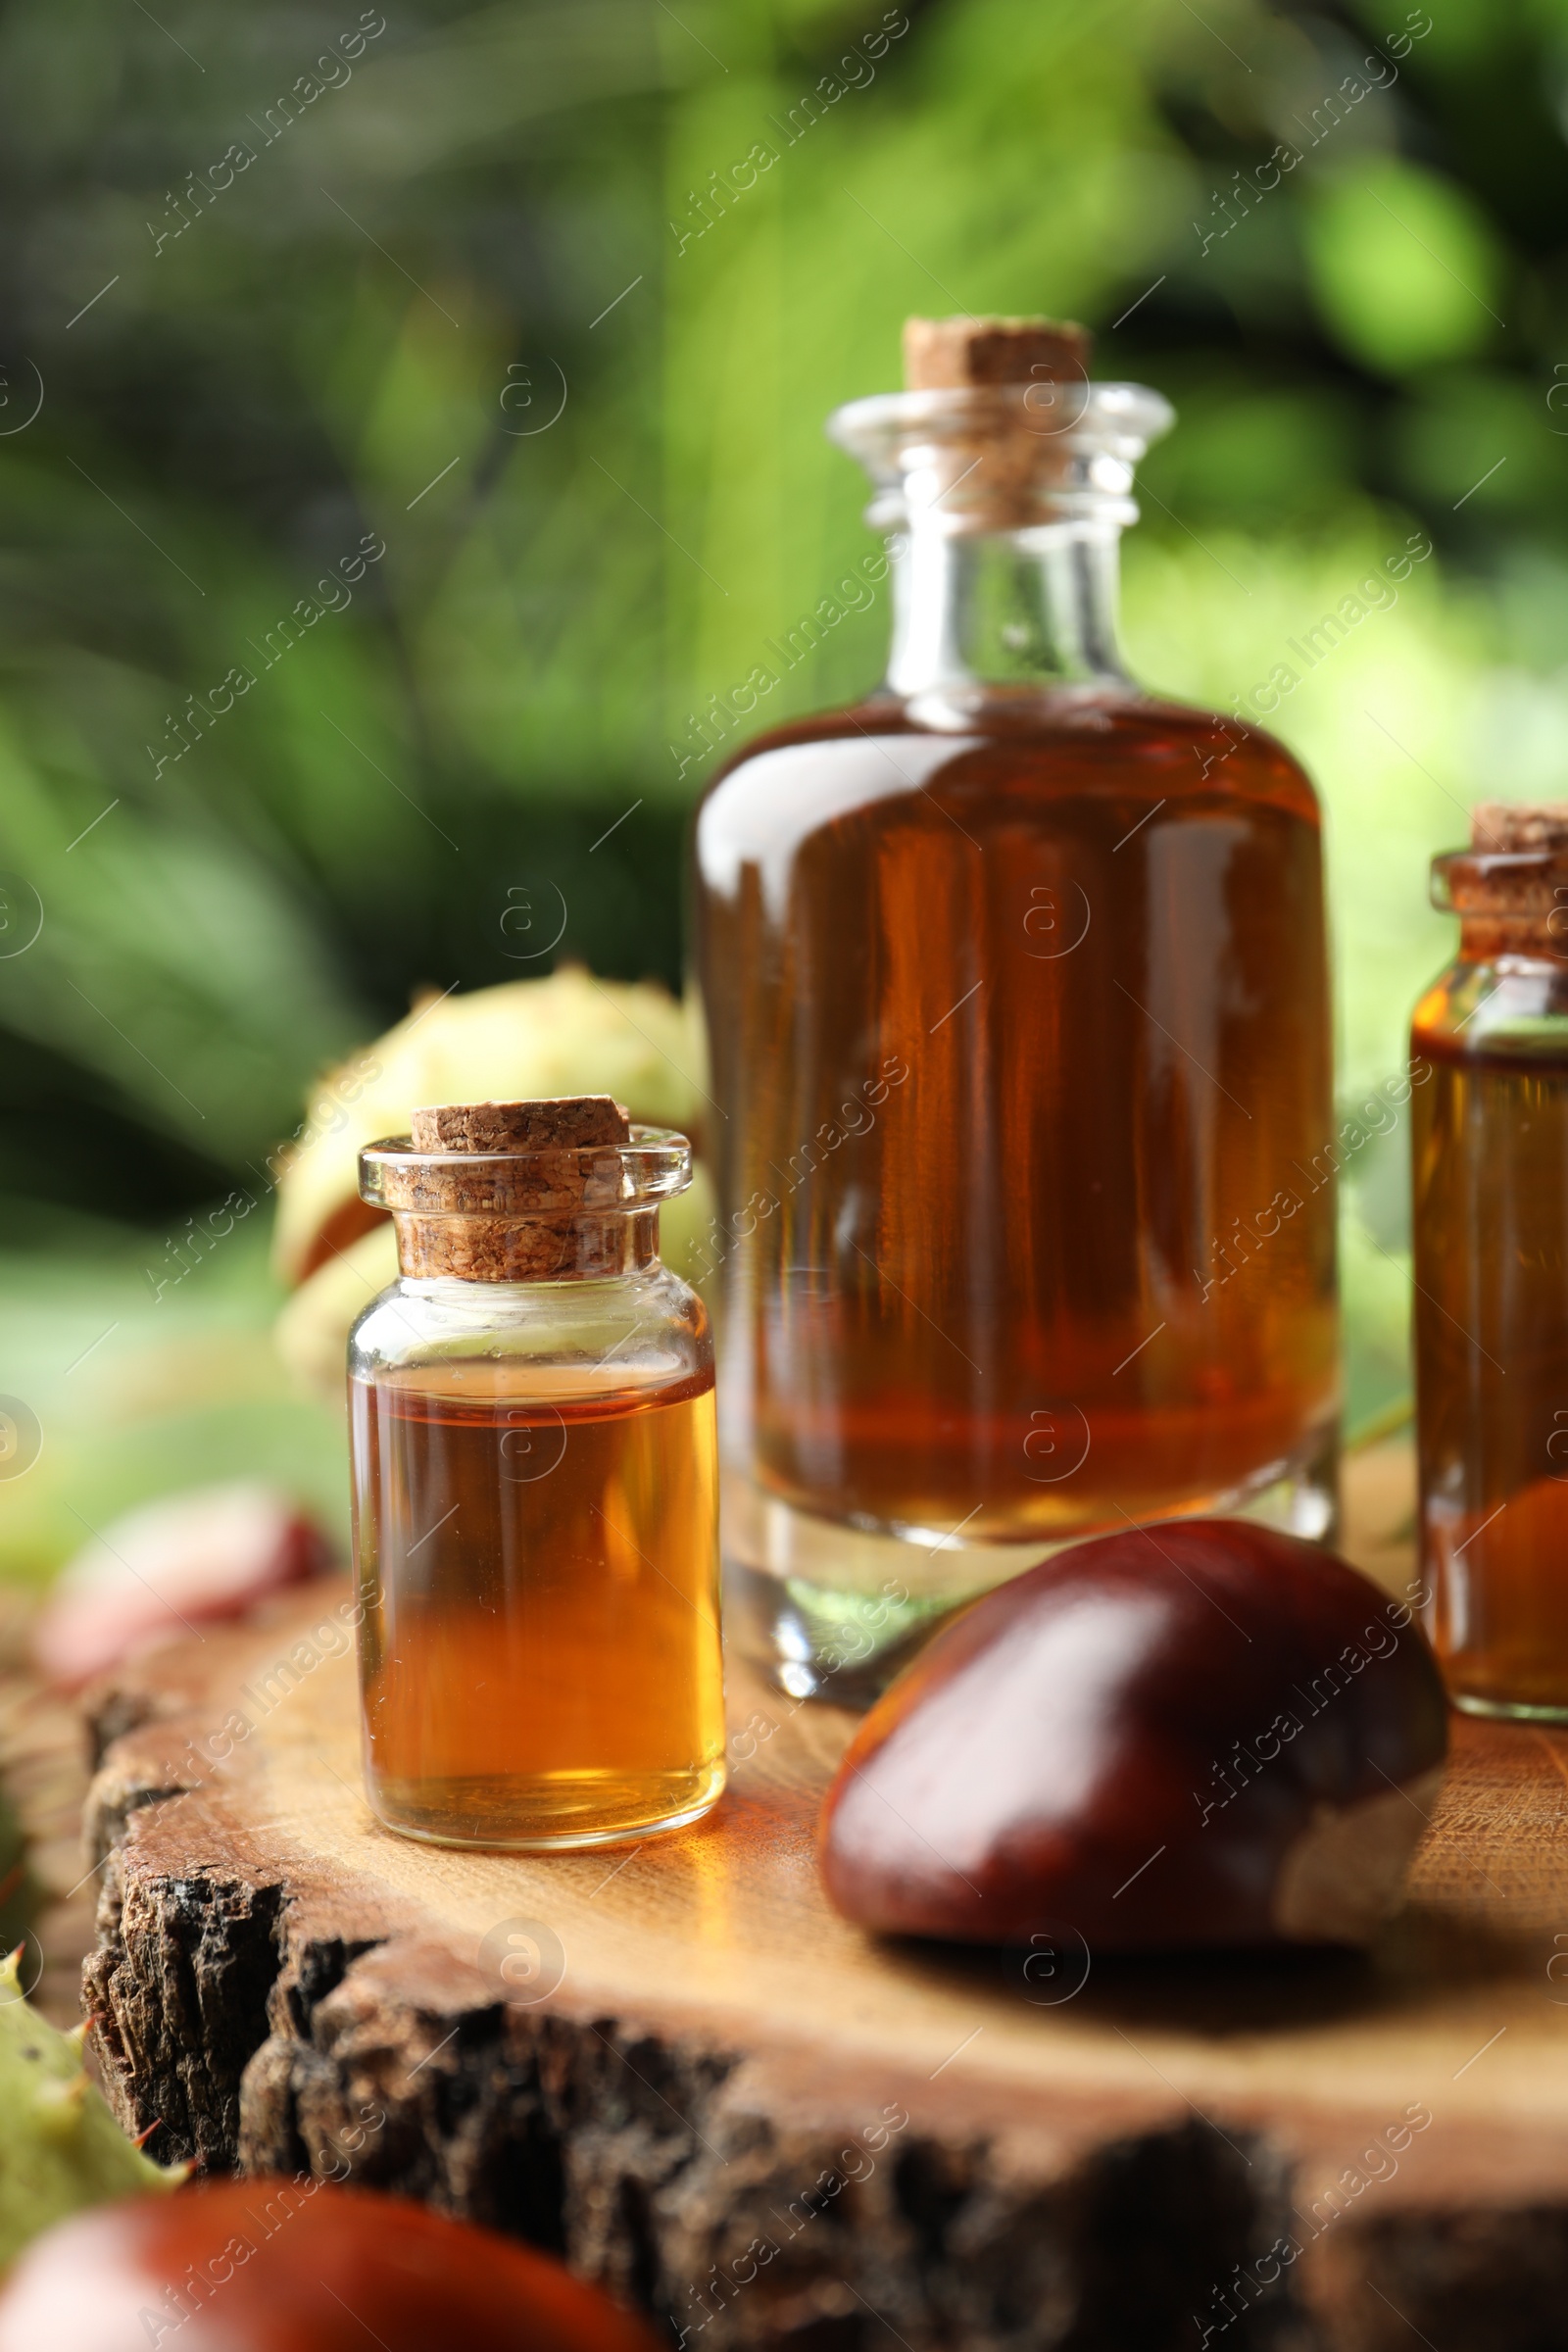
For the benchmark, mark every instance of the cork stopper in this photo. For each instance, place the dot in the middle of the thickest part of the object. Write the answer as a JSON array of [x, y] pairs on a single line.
[[1502, 825], [982, 438], [557, 1121], [949, 355], [1000, 429], [515, 1192], [1511, 888]]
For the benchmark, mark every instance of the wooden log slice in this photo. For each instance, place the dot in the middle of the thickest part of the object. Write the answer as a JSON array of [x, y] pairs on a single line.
[[43, 1771], [674, 2064]]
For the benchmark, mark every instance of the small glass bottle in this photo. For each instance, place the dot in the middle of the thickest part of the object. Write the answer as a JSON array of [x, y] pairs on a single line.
[[535, 1497], [1016, 997], [1489, 1047]]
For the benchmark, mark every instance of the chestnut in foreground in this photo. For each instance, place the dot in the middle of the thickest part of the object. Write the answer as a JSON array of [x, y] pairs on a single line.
[[1197, 1733], [295, 2266], [155, 1575]]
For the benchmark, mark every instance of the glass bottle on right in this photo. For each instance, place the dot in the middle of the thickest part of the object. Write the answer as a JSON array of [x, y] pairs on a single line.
[[1490, 1166]]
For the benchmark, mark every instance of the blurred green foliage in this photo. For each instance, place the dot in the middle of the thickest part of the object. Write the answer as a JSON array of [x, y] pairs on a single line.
[[488, 287]]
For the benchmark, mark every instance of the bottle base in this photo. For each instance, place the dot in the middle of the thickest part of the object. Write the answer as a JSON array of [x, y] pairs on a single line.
[[557, 1814], [1510, 1710], [833, 1611]]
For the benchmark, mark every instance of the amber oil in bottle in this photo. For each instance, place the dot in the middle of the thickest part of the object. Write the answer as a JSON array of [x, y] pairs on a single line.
[[535, 1487]]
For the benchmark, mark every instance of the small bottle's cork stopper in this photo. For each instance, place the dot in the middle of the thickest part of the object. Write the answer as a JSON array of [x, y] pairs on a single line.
[[1512, 909], [543, 1217], [946, 355], [1500, 825], [557, 1123]]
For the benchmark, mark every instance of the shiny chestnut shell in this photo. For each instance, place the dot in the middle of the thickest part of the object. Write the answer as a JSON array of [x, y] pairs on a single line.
[[1200, 1733], [295, 2266]]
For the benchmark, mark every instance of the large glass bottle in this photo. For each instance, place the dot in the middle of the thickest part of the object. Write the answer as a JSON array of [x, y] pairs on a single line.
[[1016, 999]]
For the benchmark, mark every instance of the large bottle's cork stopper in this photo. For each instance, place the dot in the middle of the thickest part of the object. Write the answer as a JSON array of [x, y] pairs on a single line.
[[998, 458], [945, 355], [557, 1123]]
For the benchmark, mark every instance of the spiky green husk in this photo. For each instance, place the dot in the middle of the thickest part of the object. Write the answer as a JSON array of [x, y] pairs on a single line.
[[61, 2148]]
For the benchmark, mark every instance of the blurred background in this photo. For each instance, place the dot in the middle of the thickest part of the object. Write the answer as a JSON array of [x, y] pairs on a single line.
[[412, 416]]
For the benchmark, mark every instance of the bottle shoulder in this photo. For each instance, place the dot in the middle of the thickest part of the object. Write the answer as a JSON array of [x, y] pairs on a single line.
[[1073, 741], [1504, 1009], [628, 1332]]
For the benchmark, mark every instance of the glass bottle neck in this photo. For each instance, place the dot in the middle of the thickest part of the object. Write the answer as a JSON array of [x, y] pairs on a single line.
[[1013, 610], [479, 1251]]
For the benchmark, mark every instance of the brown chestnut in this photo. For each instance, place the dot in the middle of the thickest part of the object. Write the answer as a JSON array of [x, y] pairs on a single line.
[[1193, 1734], [296, 2266], [167, 1567]]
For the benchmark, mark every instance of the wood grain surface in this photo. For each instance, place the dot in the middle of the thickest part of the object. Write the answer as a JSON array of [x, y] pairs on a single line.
[[675, 2064]]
